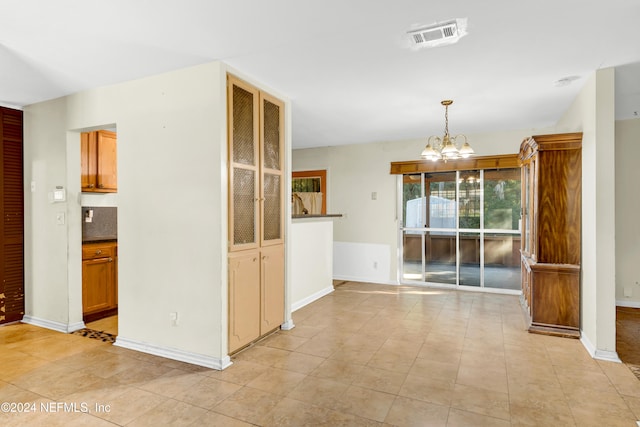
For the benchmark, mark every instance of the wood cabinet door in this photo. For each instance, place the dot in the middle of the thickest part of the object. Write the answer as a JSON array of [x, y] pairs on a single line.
[[243, 165], [107, 162], [244, 298], [271, 170], [88, 161], [98, 285], [272, 288]]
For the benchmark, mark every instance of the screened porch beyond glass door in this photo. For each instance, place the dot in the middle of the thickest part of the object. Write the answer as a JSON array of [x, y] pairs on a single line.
[[469, 232]]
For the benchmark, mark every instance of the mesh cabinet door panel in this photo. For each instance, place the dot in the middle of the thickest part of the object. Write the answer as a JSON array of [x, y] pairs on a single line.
[[271, 135], [272, 214], [244, 207], [244, 137]]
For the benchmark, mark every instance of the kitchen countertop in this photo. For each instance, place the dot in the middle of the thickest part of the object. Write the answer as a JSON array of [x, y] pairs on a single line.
[[99, 239]]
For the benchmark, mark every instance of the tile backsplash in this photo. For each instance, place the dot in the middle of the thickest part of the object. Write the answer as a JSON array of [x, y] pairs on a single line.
[[103, 223]]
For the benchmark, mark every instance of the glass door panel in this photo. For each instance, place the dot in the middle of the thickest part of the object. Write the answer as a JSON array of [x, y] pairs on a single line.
[[469, 199], [440, 189], [470, 259], [502, 261], [412, 244], [440, 257], [413, 213], [502, 199]]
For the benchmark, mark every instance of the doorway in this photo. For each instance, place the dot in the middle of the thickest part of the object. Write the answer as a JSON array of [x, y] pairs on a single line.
[[461, 229]]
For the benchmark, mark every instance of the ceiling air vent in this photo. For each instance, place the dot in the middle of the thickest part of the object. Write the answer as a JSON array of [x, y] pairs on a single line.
[[438, 34]]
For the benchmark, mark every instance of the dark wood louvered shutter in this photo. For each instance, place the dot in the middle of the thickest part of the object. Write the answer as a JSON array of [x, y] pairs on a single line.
[[12, 212]]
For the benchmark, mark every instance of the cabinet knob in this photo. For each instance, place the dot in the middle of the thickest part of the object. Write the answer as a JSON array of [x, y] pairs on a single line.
[[99, 251], [100, 185], [110, 259], [91, 186]]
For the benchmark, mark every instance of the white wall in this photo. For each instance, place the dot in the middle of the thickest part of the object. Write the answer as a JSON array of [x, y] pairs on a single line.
[[172, 210], [311, 244], [368, 230], [592, 112], [627, 208]]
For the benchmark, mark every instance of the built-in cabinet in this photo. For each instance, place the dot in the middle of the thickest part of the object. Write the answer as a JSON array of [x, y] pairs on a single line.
[[551, 231], [99, 280], [99, 166], [256, 213]]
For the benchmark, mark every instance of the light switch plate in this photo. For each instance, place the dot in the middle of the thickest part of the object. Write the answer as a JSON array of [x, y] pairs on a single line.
[[60, 218]]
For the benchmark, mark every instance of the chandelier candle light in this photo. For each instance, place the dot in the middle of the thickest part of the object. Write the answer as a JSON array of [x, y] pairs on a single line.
[[445, 148]]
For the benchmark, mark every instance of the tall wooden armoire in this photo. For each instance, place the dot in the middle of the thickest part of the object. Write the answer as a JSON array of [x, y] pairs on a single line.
[[551, 231]]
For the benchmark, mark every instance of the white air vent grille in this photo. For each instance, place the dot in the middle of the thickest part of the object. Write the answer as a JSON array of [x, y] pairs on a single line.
[[436, 34]]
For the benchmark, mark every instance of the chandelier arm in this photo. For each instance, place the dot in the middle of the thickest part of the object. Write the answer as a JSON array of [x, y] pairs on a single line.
[[435, 141], [455, 140]]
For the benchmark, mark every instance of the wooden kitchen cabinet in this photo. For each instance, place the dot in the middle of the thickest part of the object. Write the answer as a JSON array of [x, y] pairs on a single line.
[[244, 298], [551, 232], [256, 213], [99, 168], [99, 280]]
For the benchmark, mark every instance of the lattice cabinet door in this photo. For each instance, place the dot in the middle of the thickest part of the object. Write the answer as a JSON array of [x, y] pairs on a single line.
[[272, 176], [244, 165]]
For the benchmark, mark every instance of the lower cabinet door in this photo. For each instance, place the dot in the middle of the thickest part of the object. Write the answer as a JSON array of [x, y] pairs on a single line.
[[272, 283], [244, 298], [98, 276]]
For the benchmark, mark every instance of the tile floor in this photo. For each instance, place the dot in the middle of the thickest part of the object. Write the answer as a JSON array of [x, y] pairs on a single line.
[[366, 355]]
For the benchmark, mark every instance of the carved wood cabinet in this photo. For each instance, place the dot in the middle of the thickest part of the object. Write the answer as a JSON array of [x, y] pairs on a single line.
[[551, 228]]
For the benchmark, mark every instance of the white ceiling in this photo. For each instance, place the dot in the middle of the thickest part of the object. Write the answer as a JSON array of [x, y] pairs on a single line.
[[345, 64]]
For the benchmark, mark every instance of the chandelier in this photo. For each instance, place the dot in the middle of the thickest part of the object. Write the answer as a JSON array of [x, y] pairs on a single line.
[[446, 148]]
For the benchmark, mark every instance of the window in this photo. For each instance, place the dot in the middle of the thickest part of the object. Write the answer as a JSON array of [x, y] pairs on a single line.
[[309, 191]]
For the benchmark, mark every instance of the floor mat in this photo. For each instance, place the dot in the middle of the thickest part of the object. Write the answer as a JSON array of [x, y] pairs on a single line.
[[635, 369], [98, 335]]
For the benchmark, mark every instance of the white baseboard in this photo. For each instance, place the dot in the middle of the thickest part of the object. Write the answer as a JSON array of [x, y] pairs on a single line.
[[311, 298], [174, 354], [365, 280], [607, 355], [630, 304], [65, 328]]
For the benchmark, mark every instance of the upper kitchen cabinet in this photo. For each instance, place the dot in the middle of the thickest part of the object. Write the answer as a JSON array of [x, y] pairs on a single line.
[[99, 162]]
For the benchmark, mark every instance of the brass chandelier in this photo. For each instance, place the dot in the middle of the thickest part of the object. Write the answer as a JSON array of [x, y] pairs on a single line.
[[446, 147]]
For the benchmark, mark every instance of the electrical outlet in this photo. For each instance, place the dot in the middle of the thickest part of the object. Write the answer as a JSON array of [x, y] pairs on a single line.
[[174, 318]]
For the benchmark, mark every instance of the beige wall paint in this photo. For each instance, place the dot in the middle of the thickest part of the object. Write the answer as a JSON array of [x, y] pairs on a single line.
[[169, 219], [592, 112], [172, 192]]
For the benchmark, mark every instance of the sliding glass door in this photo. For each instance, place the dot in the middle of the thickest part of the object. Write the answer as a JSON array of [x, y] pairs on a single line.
[[461, 228]]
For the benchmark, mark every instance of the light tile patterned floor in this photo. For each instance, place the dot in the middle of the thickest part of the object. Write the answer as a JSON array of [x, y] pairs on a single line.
[[366, 355]]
